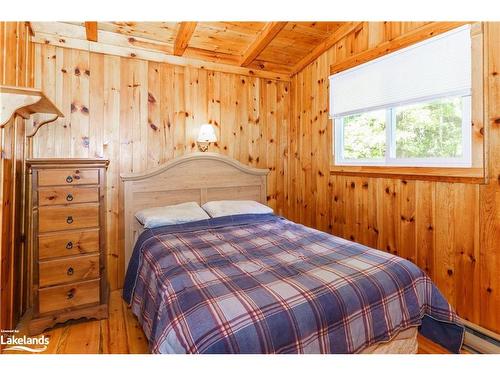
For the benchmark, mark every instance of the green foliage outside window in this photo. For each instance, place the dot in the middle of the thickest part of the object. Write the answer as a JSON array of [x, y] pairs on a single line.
[[430, 129], [422, 130], [364, 135]]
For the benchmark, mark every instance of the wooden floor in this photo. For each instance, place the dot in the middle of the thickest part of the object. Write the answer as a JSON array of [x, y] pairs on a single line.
[[121, 334]]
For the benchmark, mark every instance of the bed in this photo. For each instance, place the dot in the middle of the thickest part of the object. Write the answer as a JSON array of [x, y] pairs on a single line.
[[262, 283]]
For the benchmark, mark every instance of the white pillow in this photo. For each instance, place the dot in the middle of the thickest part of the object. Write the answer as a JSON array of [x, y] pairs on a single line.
[[169, 215], [226, 208]]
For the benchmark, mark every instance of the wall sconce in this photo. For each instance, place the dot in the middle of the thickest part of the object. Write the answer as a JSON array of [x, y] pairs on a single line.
[[206, 136]]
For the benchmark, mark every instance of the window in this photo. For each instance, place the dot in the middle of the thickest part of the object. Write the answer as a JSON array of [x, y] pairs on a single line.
[[408, 108]]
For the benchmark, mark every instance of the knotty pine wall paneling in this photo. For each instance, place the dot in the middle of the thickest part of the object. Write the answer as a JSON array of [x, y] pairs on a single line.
[[449, 229], [140, 114], [16, 57]]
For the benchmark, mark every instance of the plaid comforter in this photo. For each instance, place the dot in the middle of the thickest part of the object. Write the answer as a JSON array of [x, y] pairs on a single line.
[[263, 284]]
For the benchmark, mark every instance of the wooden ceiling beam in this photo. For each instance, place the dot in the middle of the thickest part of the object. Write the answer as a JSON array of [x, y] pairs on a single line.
[[30, 28], [91, 31], [265, 37], [337, 35], [186, 30]]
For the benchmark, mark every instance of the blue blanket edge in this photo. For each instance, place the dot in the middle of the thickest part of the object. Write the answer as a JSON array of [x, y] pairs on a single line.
[[448, 335]]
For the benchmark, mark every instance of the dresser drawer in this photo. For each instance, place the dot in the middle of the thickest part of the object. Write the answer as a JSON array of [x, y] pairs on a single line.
[[60, 271], [68, 243], [67, 195], [76, 216], [51, 177], [68, 296]]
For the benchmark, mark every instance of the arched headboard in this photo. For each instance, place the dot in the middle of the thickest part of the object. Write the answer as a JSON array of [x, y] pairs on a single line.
[[198, 177]]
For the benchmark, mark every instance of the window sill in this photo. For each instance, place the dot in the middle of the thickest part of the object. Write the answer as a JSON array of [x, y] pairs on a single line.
[[465, 175]]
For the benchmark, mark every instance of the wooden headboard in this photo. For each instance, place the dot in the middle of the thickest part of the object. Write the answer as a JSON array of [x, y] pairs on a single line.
[[198, 177]]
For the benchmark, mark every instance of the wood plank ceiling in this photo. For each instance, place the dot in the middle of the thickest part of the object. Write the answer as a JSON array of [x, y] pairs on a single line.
[[279, 47]]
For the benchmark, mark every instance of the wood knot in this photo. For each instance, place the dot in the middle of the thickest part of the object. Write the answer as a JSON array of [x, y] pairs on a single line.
[[153, 126], [85, 142], [151, 98], [77, 72], [449, 272]]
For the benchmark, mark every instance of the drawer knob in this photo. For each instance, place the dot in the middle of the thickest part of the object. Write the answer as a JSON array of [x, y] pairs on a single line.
[[69, 245], [69, 219], [70, 294], [70, 271], [69, 197], [69, 179]]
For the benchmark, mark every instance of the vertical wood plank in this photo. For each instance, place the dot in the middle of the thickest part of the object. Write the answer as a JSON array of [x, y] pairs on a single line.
[[407, 225], [96, 105], [111, 149], [80, 72], [155, 129], [425, 226]]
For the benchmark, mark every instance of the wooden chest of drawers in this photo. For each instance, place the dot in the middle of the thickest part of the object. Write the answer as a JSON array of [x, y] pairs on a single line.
[[67, 240]]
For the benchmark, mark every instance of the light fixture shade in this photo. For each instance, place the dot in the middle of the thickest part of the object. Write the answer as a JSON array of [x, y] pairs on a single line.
[[207, 133]]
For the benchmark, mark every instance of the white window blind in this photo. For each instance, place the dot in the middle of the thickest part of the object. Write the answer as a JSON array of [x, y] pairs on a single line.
[[437, 67]]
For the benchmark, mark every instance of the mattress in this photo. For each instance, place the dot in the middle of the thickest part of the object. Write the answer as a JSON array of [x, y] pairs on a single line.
[[405, 342], [263, 284]]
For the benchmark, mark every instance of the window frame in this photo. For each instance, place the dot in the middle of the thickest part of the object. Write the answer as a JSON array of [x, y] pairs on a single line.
[[390, 159], [476, 174]]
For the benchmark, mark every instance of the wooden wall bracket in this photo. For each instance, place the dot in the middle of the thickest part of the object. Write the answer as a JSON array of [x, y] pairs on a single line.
[[25, 101]]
